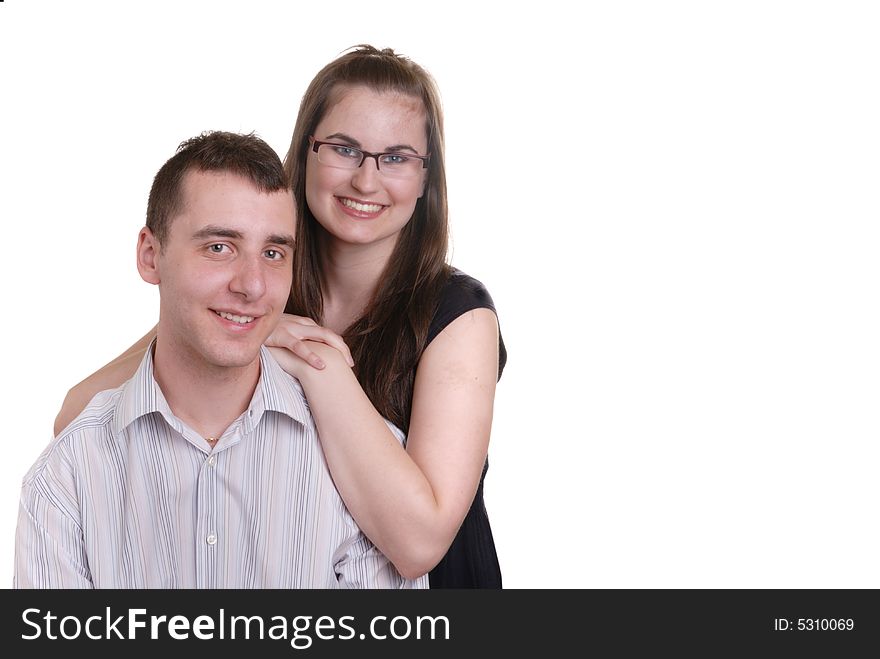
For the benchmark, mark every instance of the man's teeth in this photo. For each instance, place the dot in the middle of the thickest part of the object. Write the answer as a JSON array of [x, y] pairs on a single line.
[[235, 319], [362, 208]]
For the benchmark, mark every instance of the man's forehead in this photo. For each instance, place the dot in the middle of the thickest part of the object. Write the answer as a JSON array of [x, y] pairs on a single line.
[[229, 202], [220, 182]]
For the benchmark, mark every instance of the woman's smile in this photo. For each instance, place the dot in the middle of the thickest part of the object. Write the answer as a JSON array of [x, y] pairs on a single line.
[[360, 209]]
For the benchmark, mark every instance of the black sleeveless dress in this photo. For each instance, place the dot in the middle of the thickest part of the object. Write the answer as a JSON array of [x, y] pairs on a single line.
[[471, 561]]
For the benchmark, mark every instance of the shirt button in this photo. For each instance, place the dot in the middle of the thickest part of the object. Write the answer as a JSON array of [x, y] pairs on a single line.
[[211, 539], [212, 460]]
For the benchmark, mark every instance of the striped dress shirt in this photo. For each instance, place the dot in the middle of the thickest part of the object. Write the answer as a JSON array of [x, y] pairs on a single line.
[[128, 496]]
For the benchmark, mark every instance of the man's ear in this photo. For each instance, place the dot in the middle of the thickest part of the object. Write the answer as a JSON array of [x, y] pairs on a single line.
[[148, 256]]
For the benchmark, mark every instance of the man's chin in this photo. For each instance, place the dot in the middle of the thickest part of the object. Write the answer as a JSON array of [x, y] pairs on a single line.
[[238, 361], [235, 356]]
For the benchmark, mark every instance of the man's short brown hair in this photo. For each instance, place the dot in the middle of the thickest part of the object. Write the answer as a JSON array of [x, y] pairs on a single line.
[[214, 151]]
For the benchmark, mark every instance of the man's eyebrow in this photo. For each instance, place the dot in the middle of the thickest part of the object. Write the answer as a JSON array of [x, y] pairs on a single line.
[[214, 231], [348, 139], [278, 239]]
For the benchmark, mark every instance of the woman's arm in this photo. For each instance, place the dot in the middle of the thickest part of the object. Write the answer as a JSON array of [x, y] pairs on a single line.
[[411, 502], [109, 376]]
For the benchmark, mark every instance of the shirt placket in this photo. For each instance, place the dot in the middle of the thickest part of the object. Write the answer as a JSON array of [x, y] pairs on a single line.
[[208, 532]]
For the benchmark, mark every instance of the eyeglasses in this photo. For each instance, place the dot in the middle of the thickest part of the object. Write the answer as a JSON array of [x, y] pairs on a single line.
[[395, 164]]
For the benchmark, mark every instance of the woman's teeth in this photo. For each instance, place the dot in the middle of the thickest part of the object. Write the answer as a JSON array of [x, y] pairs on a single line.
[[361, 208]]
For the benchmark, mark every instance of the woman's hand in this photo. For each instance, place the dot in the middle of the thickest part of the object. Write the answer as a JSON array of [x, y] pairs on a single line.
[[294, 333]]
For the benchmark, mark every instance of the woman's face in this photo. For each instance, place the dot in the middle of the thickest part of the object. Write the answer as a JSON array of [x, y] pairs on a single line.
[[365, 206]]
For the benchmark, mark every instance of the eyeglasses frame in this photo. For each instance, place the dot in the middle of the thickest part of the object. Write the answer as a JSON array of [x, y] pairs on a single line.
[[367, 154]]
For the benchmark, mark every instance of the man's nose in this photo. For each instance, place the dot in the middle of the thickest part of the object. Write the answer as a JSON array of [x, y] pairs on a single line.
[[249, 279]]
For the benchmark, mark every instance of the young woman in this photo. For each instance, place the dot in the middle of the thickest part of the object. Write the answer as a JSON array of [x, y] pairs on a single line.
[[379, 326]]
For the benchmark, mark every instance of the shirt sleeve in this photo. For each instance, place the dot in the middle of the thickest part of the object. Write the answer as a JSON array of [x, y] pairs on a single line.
[[49, 547], [364, 566]]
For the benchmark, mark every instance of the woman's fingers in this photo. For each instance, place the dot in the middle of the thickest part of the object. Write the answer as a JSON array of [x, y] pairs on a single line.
[[293, 331], [301, 349], [302, 320]]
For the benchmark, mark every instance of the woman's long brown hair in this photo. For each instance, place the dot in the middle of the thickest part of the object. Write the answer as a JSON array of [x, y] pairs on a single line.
[[389, 337]]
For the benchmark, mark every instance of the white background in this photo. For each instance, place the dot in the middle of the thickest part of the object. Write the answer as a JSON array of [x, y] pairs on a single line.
[[673, 204]]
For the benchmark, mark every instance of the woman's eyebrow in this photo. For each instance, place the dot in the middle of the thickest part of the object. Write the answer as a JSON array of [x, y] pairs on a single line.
[[401, 147], [348, 139], [345, 138]]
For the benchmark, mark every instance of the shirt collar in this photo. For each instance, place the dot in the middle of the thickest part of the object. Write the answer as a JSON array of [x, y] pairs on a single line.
[[276, 391]]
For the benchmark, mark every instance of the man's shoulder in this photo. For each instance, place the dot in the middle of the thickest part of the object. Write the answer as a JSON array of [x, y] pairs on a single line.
[[93, 423], [282, 392], [96, 415]]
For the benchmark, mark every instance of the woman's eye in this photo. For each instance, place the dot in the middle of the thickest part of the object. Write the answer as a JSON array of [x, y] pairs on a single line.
[[394, 159], [347, 152]]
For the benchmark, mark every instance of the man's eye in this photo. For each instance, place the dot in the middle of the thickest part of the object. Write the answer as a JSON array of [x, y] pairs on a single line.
[[274, 254], [217, 248]]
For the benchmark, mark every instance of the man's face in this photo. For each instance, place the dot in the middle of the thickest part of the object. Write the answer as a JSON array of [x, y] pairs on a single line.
[[224, 270]]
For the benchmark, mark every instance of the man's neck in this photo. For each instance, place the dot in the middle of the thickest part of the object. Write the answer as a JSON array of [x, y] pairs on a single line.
[[207, 398]]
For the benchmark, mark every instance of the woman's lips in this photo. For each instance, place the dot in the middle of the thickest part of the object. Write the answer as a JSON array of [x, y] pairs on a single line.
[[360, 209]]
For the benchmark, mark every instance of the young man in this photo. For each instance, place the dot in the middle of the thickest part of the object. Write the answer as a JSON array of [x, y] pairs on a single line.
[[204, 470]]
